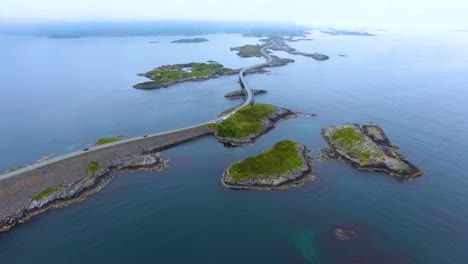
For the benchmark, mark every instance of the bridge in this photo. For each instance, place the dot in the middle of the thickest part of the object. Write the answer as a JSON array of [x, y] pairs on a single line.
[[248, 100]]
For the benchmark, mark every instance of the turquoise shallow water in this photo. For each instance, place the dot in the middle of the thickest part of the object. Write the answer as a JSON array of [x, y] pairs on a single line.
[[79, 90]]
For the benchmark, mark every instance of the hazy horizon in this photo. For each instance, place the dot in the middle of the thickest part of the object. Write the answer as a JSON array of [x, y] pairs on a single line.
[[447, 14]]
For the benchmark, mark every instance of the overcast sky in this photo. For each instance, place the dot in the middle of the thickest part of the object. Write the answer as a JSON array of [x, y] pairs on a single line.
[[367, 13]]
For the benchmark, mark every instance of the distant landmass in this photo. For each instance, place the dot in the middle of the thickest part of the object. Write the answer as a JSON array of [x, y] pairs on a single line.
[[337, 32], [191, 40], [160, 28]]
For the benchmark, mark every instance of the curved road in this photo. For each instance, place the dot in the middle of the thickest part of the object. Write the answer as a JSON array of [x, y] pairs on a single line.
[[246, 102]]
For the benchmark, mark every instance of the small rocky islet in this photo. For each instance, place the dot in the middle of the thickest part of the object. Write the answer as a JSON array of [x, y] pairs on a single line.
[[285, 165], [239, 94], [249, 123], [277, 44], [367, 147]]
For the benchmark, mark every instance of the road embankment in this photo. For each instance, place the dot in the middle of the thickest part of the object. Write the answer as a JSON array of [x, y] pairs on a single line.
[[19, 194]]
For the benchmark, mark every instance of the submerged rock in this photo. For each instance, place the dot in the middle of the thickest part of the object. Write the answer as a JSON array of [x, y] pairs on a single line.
[[367, 148], [343, 234]]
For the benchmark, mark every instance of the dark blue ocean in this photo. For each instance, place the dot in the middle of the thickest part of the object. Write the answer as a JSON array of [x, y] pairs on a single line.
[[57, 95]]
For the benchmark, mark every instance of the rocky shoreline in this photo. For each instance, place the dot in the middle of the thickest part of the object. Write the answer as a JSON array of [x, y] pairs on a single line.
[[71, 182], [267, 125], [295, 178], [369, 150], [275, 62], [282, 46], [150, 85], [79, 190]]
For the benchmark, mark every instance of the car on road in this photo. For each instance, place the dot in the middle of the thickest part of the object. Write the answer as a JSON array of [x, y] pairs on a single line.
[[85, 149]]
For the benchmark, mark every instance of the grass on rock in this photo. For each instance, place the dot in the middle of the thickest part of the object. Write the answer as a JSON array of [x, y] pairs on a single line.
[[46, 193], [92, 168], [245, 122], [248, 51], [351, 138], [283, 157], [166, 75]]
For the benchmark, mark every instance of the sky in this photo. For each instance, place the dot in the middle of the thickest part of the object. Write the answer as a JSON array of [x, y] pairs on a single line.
[[451, 14]]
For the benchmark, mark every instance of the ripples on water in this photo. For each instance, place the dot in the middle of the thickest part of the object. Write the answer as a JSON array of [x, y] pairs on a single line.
[[79, 90]]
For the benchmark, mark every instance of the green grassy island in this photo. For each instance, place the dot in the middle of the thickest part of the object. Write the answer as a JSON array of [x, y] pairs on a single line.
[[249, 123], [248, 51], [192, 40], [286, 164], [167, 75], [367, 148]]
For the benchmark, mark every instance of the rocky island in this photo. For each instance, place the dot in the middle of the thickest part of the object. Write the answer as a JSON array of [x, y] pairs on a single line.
[[167, 75], [367, 147], [278, 44], [285, 165], [192, 40], [248, 51], [239, 94], [249, 123]]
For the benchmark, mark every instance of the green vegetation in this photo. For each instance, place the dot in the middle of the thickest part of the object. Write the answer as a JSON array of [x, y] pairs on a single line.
[[16, 168], [166, 75], [46, 193], [405, 170], [283, 157], [103, 141], [93, 167], [351, 138], [245, 122], [192, 40], [248, 51]]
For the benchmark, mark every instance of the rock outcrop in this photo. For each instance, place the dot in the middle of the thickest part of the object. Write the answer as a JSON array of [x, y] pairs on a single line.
[[282, 46], [343, 234], [79, 190], [367, 148], [239, 94], [72, 180]]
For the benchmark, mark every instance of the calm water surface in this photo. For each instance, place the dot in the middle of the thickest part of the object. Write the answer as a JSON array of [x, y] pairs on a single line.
[[59, 95]]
